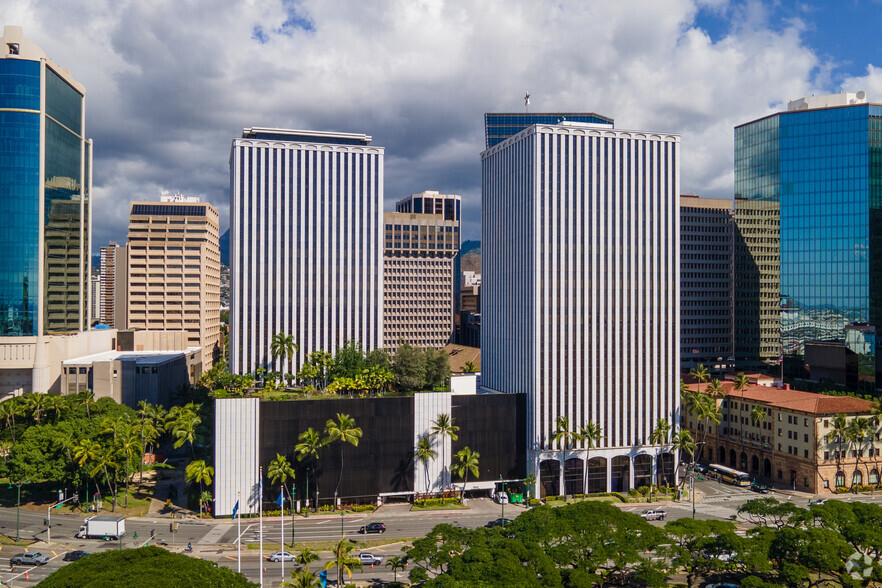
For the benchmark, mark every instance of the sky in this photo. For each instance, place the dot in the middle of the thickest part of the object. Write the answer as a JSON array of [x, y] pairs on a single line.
[[170, 83]]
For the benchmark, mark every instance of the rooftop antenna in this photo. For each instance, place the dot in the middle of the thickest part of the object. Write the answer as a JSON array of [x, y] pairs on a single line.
[[527, 102]]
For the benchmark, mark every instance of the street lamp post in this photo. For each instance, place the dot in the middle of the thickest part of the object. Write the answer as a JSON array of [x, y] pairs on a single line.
[[502, 501], [341, 524], [307, 491], [18, 509]]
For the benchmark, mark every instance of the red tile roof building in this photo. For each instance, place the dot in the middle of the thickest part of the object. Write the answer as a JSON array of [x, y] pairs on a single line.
[[793, 445]]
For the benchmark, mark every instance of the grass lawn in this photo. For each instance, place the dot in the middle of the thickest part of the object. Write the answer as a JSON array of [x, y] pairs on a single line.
[[445, 506], [326, 545], [7, 540], [40, 495]]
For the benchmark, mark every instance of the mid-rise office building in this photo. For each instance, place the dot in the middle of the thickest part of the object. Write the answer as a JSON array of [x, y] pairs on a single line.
[[813, 173], [580, 296], [173, 275], [418, 281], [706, 264], [306, 248], [45, 219], [95, 298]]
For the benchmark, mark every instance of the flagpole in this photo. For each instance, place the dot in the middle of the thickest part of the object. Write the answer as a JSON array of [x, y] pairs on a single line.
[[238, 534], [260, 518], [282, 507]]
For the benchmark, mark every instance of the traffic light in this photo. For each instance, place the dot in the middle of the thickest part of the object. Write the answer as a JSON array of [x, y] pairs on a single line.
[[135, 536], [152, 533], [171, 527], [45, 522]]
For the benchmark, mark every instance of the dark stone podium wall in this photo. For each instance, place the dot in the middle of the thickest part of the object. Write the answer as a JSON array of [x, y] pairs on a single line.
[[492, 424]]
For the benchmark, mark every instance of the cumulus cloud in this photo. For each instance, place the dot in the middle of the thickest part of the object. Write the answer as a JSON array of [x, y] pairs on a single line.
[[169, 84]]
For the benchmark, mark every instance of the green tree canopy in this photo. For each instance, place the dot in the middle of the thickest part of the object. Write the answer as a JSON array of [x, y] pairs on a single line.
[[146, 567]]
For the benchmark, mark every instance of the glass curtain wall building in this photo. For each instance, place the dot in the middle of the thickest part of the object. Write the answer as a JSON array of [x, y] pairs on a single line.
[[818, 168], [45, 166], [499, 126]]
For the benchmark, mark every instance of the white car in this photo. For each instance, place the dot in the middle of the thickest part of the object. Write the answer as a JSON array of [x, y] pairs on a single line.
[[281, 555], [369, 559], [653, 515], [501, 498]]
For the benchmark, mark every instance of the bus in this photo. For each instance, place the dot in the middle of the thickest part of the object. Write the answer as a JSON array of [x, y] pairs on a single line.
[[729, 475]]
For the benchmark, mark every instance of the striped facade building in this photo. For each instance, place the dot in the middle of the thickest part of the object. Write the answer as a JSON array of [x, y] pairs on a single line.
[[306, 216], [580, 269]]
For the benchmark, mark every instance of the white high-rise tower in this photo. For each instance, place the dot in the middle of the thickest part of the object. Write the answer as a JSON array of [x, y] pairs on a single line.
[[580, 297], [306, 216]]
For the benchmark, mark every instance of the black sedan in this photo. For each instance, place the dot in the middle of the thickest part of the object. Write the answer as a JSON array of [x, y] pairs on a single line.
[[373, 528], [498, 523], [75, 555]]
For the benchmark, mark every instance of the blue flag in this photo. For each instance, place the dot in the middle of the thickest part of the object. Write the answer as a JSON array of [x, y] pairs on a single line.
[[235, 509], [281, 500]]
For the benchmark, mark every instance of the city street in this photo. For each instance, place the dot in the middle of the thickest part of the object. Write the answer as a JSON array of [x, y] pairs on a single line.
[[216, 540]]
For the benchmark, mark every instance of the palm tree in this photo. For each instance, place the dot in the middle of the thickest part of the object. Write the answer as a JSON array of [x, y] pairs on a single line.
[[305, 557], [201, 472], [466, 461], [278, 472], [708, 411], [184, 429], [397, 562], [424, 453], [302, 578], [715, 389], [443, 427], [839, 433], [562, 435], [8, 411], [741, 382], [104, 461], [659, 436], [682, 442], [310, 443], [129, 445], [35, 404], [86, 399], [757, 417], [343, 560], [344, 431], [701, 373], [590, 433], [857, 432], [284, 346], [469, 367]]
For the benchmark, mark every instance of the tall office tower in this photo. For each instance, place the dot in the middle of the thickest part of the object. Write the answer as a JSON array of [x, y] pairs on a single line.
[[418, 272], [707, 232], [44, 270], [814, 173], [174, 271], [45, 201], [499, 126], [306, 244], [108, 260], [580, 296]]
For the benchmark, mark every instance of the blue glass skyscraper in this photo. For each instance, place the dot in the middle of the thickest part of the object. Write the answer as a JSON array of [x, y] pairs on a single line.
[[813, 175], [45, 167], [499, 126]]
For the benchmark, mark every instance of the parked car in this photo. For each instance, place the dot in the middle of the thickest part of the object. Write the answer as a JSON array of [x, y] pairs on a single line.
[[653, 515], [701, 469], [373, 528], [501, 498], [281, 555], [29, 559], [722, 585], [75, 555], [498, 523], [369, 559], [761, 488]]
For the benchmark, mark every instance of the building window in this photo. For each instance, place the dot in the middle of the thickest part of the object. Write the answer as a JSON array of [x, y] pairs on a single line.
[[826, 455], [806, 454], [781, 475], [826, 484]]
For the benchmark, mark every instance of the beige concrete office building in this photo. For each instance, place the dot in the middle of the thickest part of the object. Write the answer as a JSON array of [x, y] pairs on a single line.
[[173, 277], [418, 277]]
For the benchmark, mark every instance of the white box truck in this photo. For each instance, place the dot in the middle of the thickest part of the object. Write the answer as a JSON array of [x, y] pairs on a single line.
[[107, 528]]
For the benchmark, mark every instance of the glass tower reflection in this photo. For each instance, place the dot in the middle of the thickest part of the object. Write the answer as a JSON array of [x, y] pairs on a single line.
[[44, 224], [821, 168]]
